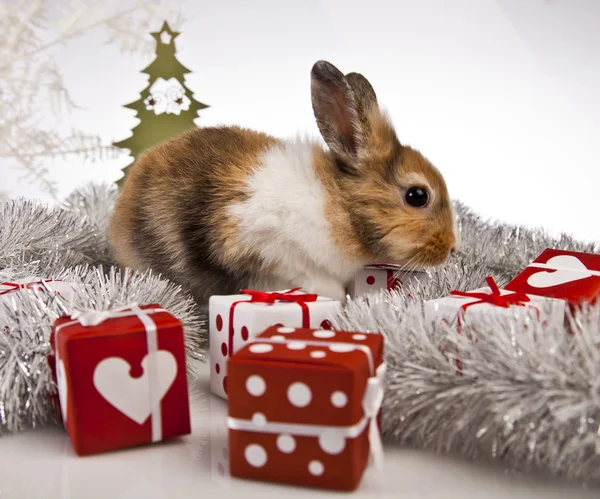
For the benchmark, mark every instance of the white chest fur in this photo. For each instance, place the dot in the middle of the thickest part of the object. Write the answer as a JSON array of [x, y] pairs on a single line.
[[284, 220]]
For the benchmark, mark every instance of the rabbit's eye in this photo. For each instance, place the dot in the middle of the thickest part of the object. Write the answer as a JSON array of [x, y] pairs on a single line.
[[417, 197]]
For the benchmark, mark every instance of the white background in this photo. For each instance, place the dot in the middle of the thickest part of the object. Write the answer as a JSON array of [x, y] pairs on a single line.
[[502, 95]]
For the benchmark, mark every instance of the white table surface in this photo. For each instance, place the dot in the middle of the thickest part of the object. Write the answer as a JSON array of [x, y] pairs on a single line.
[[42, 464]]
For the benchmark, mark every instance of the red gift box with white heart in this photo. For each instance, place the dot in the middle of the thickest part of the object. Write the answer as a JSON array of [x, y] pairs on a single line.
[[377, 277], [304, 406], [567, 275], [121, 377]]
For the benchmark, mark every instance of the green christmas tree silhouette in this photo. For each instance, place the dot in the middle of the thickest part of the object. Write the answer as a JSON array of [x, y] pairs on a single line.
[[166, 107]]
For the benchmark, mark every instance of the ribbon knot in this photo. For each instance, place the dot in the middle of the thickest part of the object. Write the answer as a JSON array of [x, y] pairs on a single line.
[[287, 296], [89, 317], [494, 298]]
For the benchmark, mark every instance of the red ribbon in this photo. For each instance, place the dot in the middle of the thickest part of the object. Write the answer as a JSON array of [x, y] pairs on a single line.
[[495, 298], [271, 298], [15, 286]]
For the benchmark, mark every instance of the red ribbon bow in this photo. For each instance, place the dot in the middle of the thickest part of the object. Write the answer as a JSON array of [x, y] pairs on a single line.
[[287, 296], [15, 286], [271, 298], [495, 298]]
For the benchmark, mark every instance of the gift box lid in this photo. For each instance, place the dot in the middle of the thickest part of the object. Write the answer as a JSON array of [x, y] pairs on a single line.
[[325, 362], [568, 275], [283, 344], [569, 260], [458, 300], [455, 303], [245, 300], [127, 324]]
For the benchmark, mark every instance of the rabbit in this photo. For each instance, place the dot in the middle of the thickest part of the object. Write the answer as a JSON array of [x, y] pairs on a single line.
[[218, 209]]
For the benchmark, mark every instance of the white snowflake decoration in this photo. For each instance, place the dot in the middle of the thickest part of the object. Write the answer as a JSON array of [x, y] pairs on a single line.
[[167, 96], [156, 101], [177, 101]]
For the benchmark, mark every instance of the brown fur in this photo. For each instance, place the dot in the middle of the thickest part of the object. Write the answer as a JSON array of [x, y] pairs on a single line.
[[336, 209], [188, 180]]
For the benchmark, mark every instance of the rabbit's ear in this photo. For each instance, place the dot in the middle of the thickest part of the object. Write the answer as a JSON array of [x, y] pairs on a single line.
[[379, 139], [336, 110], [365, 96]]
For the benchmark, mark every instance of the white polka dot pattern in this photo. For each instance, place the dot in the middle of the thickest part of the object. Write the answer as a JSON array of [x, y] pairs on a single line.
[[299, 394], [278, 338], [318, 354], [255, 385], [339, 399], [359, 337], [316, 468], [296, 345], [261, 348], [286, 444], [332, 442], [323, 333], [255, 455], [259, 419], [286, 330], [341, 348]]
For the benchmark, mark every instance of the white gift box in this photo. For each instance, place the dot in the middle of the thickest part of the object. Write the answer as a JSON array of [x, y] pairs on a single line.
[[377, 277], [449, 308], [234, 320]]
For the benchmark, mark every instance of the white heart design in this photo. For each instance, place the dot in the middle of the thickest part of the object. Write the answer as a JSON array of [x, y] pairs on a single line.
[[130, 395], [61, 381], [570, 269]]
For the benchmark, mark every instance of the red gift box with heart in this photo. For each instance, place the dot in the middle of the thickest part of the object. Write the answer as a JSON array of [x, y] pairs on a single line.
[[567, 275], [304, 405], [121, 377], [381, 276]]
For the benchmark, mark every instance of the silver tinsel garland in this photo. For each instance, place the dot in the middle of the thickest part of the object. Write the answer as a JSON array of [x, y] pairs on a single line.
[[528, 396], [32, 231], [66, 243]]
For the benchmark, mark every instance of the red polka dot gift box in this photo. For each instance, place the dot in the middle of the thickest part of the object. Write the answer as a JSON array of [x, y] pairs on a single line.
[[379, 277], [566, 275], [236, 319], [303, 407], [121, 377]]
